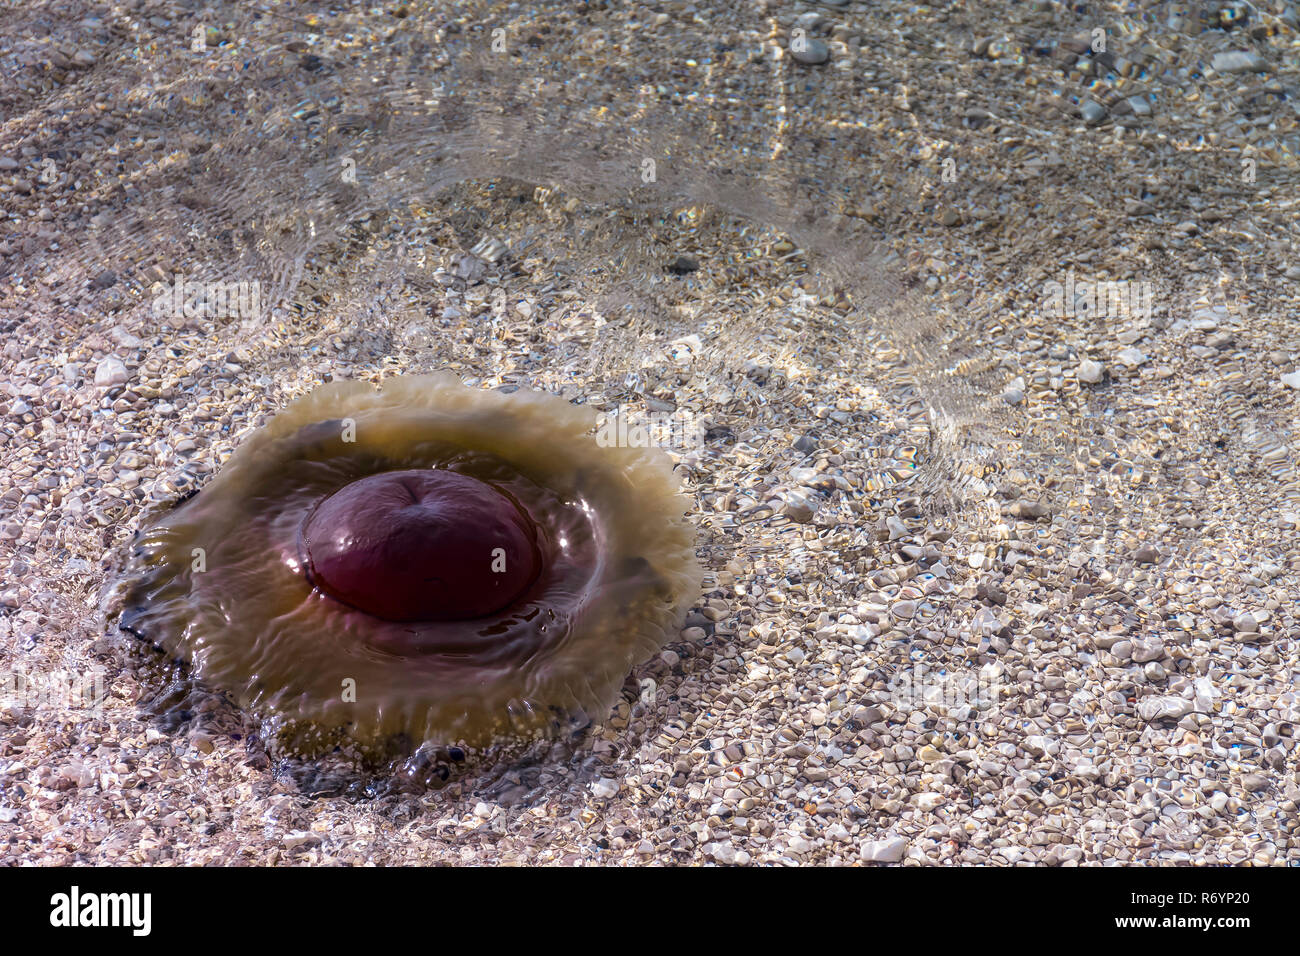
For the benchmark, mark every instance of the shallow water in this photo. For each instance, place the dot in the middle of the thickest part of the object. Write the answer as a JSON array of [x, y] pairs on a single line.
[[334, 180], [335, 161], [265, 196]]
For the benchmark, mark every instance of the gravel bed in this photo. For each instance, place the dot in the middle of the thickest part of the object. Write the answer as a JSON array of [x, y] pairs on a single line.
[[985, 317]]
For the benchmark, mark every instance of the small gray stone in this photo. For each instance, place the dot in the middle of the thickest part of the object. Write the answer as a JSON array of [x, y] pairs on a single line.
[[799, 508], [1147, 554], [1254, 782], [1238, 61], [903, 610], [1093, 112], [1140, 105], [1150, 649], [806, 444], [296, 838], [724, 853], [1207, 320], [1035, 745], [1031, 509], [810, 51]]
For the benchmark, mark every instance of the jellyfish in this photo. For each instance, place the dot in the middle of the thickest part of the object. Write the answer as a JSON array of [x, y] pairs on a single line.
[[425, 561]]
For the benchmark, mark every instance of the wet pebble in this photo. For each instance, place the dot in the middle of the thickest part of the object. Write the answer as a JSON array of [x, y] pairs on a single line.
[[110, 371], [1163, 708], [799, 507], [1239, 61], [1093, 112], [810, 51], [889, 850], [1132, 357], [1090, 372], [1254, 782], [1146, 553]]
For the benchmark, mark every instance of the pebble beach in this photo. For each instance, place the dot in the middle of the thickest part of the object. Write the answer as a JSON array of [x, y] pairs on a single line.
[[980, 321]]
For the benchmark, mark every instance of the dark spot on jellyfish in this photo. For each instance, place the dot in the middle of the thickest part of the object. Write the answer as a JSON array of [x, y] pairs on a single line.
[[128, 619], [428, 564], [186, 496]]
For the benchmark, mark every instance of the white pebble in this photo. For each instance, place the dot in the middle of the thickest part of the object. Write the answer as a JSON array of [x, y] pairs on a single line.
[[1132, 357], [889, 850], [110, 371]]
